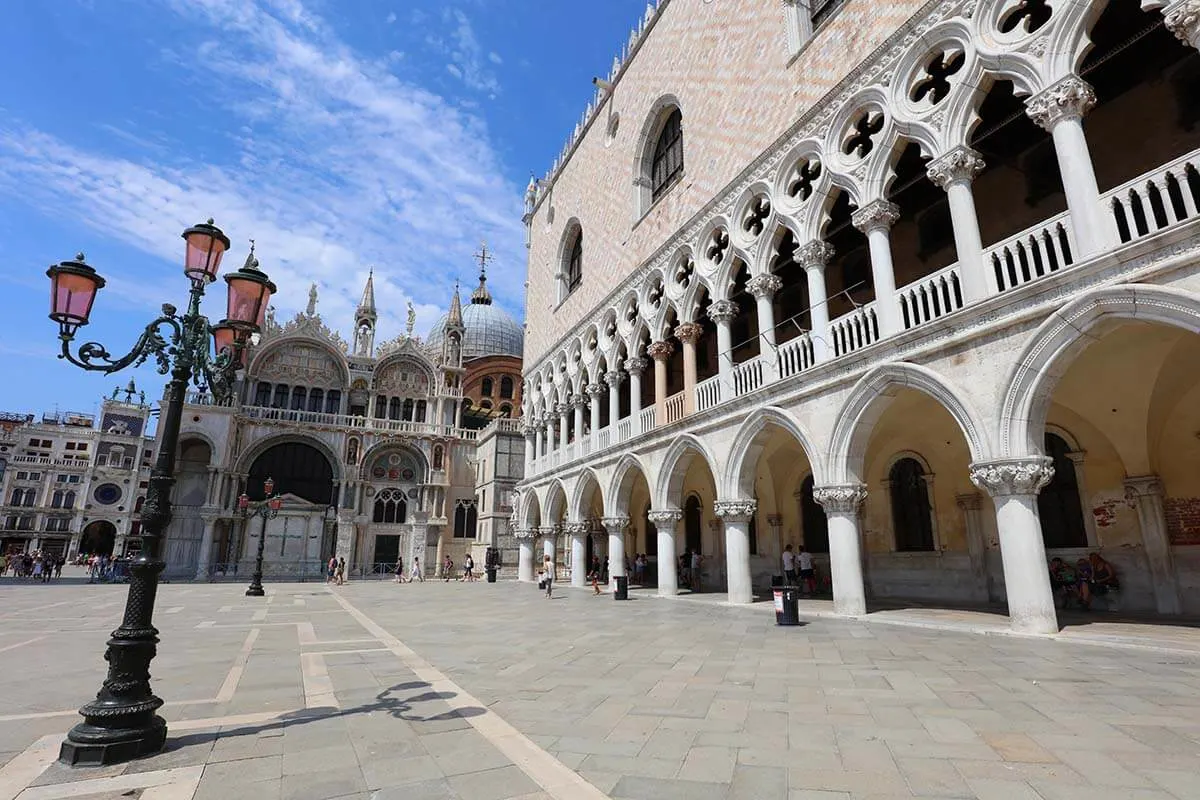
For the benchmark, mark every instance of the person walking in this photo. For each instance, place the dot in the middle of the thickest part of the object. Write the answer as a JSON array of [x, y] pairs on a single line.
[[416, 571], [340, 574], [696, 561], [469, 569], [58, 565], [447, 569], [808, 577], [331, 569], [399, 569], [789, 566], [548, 576]]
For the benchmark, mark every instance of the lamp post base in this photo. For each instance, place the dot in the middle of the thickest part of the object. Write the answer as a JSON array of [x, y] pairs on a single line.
[[88, 745], [255, 591]]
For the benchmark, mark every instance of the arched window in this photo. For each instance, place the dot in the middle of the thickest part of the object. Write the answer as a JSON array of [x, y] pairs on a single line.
[[281, 396], [408, 409], [691, 524], [299, 398], [506, 410], [464, 521], [506, 387], [1058, 504], [69, 500], [575, 264], [421, 410], [381, 405], [390, 510], [394, 408], [668, 156], [333, 402], [815, 525], [57, 500], [486, 387], [137, 507], [316, 400], [911, 520], [262, 394]]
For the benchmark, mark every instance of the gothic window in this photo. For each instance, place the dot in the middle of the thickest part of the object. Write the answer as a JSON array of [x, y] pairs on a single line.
[[299, 398], [815, 525], [394, 408], [575, 264], [316, 400], [408, 409], [506, 387], [911, 519], [667, 165], [381, 404], [262, 394], [1058, 504], [421, 410], [281, 396], [333, 401], [390, 509], [465, 517], [69, 500], [486, 389], [57, 500]]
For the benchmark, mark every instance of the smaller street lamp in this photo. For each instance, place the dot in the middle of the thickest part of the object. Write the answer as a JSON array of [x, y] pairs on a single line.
[[267, 509]]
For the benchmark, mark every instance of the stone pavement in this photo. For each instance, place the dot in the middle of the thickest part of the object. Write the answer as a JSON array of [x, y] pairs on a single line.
[[491, 691]]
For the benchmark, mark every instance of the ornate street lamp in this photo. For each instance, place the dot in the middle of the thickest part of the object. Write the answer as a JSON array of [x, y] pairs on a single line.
[[267, 509], [122, 723]]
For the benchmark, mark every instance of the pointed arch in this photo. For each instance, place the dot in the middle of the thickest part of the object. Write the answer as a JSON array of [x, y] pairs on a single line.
[[674, 466], [1066, 333], [554, 502], [616, 499], [531, 513], [586, 483], [871, 396], [738, 479]]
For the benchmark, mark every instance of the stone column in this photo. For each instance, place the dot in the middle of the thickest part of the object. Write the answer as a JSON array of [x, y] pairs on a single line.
[[666, 522], [736, 514], [971, 506], [524, 537], [615, 526], [530, 432], [344, 547], [578, 401], [876, 220], [614, 378], [954, 172], [635, 367], [764, 287], [563, 427], [549, 535], [841, 504], [206, 543], [688, 334], [660, 352], [539, 447], [1014, 484], [813, 258], [1183, 20], [1060, 109], [595, 392], [723, 313], [578, 532], [1145, 493]]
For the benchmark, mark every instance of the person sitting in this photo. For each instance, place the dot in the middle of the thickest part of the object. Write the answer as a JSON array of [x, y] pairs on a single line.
[[1063, 579], [1083, 577], [1104, 575]]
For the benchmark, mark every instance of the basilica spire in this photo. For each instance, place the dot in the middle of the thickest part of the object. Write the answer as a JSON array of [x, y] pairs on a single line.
[[365, 319], [366, 306], [481, 296], [455, 318]]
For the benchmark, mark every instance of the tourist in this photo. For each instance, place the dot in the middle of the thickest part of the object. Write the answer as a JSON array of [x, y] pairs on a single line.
[[548, 576], [594, 576], [340, 574], [416, 571], [1063, 579], [331, 570], [447, 569], [808, 576], [38, 566], [469, 569], [639, 569], [58, 565], [789, 566], [696, 561], [399, 569], [1083, 574], [1104, 575]]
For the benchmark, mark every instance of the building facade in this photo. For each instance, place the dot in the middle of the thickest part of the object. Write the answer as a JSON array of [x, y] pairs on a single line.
[[911, 284], [371, 445]]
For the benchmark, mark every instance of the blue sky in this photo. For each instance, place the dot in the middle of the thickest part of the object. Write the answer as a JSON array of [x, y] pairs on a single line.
[[339, 135]]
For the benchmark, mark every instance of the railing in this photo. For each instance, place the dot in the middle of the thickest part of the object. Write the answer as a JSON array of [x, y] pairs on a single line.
[[205, 399], [674, 406], [45, 461], [1033, 253], [931, 297], [647, 420], [624, 429], [796, 355], [855, 330], [708, 393], [748, 376], [602, 437], [350, 421], [1165, 197]]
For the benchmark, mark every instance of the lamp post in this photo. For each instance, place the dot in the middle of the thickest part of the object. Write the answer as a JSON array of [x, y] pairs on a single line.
[[267, 509], [122, 723]]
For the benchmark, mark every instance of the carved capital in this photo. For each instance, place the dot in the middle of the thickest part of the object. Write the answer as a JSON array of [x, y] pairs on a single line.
[[530, 430], [636, 365], [843, 499], [580, 401], [548, 531], [960, 164], [1013, 476], [525, 534], [969, 502], [562, 408], [669, 517], [1183, 20], [722, 311], [1070, 98], [814, 255], [764, 285], [878, 215], [735, 510], [596, 389], [1143, 486], [615, 525], [575, 528], [660, 351], [688, 332]]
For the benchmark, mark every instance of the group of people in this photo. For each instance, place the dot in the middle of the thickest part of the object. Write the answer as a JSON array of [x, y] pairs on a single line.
[[1089, 578], [412, 577], [335, 571], [36, 565], [798, 569]]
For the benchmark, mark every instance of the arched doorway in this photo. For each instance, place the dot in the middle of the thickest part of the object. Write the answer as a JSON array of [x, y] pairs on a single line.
[[1059, 506], [297, 468], [99, 538], [688, 482]]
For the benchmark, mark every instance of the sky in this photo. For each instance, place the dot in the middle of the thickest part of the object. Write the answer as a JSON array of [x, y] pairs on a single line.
[[339, 134]]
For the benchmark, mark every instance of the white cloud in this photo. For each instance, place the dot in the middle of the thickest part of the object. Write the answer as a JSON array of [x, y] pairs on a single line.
[[335, 165], [466, 54], [390, 18], [495, 58]]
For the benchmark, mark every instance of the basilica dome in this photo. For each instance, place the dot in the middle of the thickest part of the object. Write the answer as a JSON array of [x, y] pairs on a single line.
[[489, 330]]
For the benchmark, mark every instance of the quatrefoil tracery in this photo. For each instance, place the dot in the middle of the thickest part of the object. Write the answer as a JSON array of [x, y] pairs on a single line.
[[803, 181], [860, 139], [755, 218], [1033, 13], [935, 85], [718, 244]]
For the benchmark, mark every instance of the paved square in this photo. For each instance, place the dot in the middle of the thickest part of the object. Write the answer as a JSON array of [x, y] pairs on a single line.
[[491, 691]]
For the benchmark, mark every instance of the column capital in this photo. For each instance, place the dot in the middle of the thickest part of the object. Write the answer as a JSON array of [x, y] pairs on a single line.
[[842, 499], [1183, 20], [579, 400], [1013, 476], [971, 501], [764, 286], [636, 365], [615, 377], [1143, 486], [735, 510], [525, 534], [815, 255], [596, 389], [688, 332], [722, 311], [962, 164], [666, 516], [562, 408], [575, 528], [548, 531], [615, 525], [530, 430], [876, 215], [660, 351], [1068, 98]]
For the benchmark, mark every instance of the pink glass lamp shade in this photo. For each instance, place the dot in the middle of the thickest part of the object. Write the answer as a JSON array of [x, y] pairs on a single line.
[[73, 287], [250, 292], [227, 335], [275, 503], [243, 501], [269, 486], [206, 244]]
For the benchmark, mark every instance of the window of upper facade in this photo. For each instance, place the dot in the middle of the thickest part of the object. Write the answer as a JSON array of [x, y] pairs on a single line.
[[506, 387], [803, 17], [486, 389], [667, 165], [575, 264], [570, 271]]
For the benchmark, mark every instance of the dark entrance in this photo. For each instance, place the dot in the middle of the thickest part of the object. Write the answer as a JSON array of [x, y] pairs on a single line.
[[812, 518], [98, 538], [691, 524], [1058, 504], [387, 550], [298, 469]]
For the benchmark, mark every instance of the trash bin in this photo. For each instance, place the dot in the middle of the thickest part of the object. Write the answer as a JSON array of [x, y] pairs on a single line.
[[787, 605], [491, 573], [621, 592]]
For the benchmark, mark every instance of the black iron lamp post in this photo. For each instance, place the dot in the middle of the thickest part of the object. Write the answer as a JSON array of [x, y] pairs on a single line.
[[267, 509], [122, 723]]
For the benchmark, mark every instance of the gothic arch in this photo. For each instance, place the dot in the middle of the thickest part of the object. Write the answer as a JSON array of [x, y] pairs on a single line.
[[262, 445], [531, 514], [555, 503], [366, 459], [871, 396], [273, 345], [616, 499], [1066, 333], [674, 467], [738, 480], [577, 509]]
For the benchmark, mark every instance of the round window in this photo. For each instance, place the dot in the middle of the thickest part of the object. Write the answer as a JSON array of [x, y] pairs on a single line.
[[107, 493]]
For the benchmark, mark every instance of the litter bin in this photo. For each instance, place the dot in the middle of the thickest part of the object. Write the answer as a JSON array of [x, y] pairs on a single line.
[[621, 592], [491, 573], [787, 605]]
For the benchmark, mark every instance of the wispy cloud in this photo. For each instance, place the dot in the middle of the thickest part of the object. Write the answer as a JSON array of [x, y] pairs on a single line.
[[334, 164], [468, 59]]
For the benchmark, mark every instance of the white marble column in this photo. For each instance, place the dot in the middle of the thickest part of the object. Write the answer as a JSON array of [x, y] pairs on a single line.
[[549, 536], [660, 352], [666, 522], [524, 537], [1183, 20], [615, 527], [539, 447], [971, 505], [842, 504], [1014, 484], [203, 561], [530, 432], [764, 287], [688, 333], [876, 220], [578, 532], [577, 404], [595, 393], [345, 537], [954, 172], [635, 367], [1145, 493], [723, 313], [614, 378], [735, 514], [1060, 109], [814, 258], [563, 410]]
